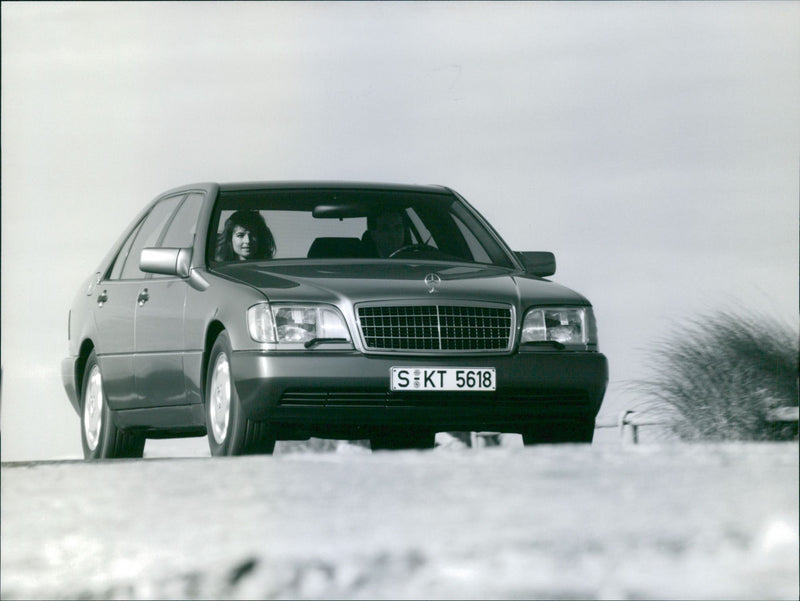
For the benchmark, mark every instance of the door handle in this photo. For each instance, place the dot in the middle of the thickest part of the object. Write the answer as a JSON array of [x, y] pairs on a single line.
[[144, 296], [102, 298]]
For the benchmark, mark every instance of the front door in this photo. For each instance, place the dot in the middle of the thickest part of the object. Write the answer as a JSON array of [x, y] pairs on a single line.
[[158, 360], [160, 343], [117, 319]]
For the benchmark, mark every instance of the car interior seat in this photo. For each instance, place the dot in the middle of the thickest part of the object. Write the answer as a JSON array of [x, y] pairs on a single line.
[[336, 248]]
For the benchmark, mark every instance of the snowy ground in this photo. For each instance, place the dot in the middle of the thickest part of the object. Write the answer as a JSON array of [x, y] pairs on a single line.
[[663, 520]]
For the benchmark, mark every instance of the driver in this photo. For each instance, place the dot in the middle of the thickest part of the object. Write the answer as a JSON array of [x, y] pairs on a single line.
[[388, 232]]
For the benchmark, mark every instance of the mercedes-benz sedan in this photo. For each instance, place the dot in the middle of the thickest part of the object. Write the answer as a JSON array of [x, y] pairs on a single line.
[[257, 312]]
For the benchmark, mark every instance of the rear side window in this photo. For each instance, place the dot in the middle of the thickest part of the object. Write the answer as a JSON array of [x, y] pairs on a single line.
[[119, 262], [147, 236]]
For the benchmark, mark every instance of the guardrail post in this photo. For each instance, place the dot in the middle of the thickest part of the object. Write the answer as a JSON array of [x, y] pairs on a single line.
[[629, 431]]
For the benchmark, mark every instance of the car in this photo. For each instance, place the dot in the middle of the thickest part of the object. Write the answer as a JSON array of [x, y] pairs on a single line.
[[263, 311]]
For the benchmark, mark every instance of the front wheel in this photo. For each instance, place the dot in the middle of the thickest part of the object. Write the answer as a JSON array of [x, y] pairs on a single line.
[[578, 431], [101, 439], [229, 431], [391, 439]]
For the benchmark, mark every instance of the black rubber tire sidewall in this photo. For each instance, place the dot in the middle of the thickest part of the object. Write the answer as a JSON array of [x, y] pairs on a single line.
[[396, 439], [571, 432]]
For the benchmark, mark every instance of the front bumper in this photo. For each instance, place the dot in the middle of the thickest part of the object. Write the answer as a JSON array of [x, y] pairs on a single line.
[[335, 389]]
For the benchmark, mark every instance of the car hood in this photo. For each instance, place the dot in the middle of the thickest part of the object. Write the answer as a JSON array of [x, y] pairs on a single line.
[[352, 282]]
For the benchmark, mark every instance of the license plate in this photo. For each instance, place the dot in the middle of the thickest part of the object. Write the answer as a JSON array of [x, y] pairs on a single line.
[[440, 378]]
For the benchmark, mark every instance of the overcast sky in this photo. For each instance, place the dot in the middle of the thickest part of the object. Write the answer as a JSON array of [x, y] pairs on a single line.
[[654, 147]]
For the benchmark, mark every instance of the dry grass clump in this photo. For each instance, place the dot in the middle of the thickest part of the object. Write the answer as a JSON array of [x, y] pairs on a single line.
[[718, 376]]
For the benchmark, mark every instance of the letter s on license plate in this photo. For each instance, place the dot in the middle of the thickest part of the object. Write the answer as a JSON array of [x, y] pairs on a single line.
[[441, 378]]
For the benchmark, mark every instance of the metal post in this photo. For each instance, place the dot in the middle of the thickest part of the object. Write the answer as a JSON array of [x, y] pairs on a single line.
[[628, 430]]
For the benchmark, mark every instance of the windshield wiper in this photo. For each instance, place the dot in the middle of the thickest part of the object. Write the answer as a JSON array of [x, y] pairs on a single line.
[[315, 341]]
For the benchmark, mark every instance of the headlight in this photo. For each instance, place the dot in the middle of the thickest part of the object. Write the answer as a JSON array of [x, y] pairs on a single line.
[[562, 325], [295, 323]]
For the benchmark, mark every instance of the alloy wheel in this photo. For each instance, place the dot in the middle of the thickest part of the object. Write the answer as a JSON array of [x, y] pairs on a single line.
[[220, 402], [93, 408]]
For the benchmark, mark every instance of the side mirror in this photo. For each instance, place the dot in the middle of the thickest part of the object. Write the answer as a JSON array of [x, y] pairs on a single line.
[[166, 261], [538, 263]]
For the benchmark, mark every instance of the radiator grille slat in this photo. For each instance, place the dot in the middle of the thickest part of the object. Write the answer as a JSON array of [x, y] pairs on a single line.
[[435, 328]]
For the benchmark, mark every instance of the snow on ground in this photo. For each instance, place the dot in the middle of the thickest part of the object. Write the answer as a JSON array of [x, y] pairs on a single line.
[[664, 520]]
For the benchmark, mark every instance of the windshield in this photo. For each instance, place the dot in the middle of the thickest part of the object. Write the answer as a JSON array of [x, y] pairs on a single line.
[[348, 224]]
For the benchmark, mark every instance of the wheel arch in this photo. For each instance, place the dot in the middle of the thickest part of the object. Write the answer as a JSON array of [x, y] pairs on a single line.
[[214, 329], [86, 348]]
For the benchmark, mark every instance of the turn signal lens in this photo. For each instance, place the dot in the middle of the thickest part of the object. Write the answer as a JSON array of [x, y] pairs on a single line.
[[260, 323]]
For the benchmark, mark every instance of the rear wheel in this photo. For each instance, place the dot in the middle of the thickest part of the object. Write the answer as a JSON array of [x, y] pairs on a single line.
[[229, 431], [578, 431], [101, 439], [397, 439]]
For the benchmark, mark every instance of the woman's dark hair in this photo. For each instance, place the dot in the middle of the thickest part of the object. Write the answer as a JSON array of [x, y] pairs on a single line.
[[253, 222]]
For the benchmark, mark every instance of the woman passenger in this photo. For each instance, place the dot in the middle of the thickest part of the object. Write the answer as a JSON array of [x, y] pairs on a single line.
[[245, 237]]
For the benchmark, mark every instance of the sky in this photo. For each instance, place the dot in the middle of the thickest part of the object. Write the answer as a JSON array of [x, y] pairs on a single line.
[[652, 146]]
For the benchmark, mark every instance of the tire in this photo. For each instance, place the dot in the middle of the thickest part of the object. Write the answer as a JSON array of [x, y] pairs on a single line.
[[396, 440], [578, 431], [229, 431], [101, 439]]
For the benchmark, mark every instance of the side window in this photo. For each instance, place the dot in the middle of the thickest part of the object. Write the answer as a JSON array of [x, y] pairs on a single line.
[[148, 236], [116, 270], [180, 233]]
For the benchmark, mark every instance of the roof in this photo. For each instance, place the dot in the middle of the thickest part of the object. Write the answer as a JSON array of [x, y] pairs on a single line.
[[328, 185]]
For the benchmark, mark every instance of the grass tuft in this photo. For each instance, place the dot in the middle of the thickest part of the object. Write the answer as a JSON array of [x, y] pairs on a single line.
[[718, 376]]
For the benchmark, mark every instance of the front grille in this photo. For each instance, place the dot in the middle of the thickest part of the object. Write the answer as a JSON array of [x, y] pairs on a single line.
[[443, 328]]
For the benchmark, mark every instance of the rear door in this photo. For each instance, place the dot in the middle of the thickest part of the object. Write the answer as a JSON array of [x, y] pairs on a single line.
[[116, 319], [114, 315]]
